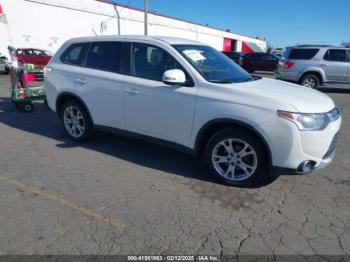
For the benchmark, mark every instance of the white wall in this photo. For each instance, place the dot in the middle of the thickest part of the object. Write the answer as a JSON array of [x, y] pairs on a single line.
[[47, 27], [46, 24], [5, 37]]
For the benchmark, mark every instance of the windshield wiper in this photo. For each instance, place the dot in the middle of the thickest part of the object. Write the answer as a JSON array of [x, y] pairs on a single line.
[[220, 81]]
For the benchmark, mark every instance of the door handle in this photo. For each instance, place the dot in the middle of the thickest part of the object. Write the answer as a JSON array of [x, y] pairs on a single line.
[[132, 91], [323, 65], [80, 81]]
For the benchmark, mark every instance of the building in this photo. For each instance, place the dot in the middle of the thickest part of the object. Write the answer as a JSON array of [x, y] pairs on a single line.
[[46, 24]]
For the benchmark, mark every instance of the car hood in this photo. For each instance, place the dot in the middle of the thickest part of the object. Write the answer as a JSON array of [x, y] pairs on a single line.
[[289, 96]]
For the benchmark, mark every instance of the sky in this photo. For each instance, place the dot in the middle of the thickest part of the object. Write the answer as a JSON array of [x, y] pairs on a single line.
[[281, 22]]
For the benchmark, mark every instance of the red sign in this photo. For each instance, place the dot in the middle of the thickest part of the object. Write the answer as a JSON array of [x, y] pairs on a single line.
[[227, 44], [1, 11], [246, 48]]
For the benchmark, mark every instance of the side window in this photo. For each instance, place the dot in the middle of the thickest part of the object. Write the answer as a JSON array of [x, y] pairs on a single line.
[[38, 53], [104, 56], [28, 52], [302, 54], [74, 54], [151, 62], [335, 55]]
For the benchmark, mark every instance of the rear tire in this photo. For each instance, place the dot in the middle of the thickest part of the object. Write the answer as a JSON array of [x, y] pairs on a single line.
[[236, 157], [76, 121], [311, 81]]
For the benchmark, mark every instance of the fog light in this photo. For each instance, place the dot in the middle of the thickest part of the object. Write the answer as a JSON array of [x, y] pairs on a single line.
[[306, 166]]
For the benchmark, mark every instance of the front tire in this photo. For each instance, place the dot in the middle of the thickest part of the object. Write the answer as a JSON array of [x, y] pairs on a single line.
[[236, 157], [75, 121], [311, 81]]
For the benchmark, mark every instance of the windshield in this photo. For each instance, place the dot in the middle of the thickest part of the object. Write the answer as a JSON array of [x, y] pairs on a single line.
[[212, 65]]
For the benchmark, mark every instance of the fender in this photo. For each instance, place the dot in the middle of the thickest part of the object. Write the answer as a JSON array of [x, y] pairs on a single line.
[[228, 121], [70, 94], [316, 70]]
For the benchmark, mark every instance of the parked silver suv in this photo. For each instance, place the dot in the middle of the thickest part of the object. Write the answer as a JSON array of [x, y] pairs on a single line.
[[313, 66]]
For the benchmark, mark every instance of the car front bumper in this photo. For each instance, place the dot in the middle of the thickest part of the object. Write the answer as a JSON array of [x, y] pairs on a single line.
[[290, 148]]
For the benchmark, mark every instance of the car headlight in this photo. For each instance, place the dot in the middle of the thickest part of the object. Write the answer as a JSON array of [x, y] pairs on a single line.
[[311, 122]]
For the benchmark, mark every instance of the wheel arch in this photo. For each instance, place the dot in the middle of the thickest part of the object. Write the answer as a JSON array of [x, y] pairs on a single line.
[[213, 126], [66, 96], [319, 74]]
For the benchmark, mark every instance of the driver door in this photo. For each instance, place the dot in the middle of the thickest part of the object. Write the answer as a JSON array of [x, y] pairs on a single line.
[[151, 107]]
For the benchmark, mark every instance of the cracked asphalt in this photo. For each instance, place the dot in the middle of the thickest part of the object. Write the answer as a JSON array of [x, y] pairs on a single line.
[[116, 195]]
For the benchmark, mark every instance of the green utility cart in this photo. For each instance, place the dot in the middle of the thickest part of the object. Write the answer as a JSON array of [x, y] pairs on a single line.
[[27, 85]]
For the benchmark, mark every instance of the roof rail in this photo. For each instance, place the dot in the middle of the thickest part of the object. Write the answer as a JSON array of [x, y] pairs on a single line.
[[314, 46]]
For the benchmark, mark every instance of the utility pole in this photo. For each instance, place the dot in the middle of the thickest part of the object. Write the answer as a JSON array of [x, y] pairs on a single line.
[[146, 16]]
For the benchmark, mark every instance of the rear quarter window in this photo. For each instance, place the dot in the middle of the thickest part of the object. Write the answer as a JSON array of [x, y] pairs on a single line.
[[302, 54], [75, 54]]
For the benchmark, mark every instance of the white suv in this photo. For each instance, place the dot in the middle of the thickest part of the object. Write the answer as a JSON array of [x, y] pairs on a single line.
[[189, 96]]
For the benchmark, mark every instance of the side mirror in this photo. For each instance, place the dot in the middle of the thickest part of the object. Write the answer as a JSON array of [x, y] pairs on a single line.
[[174, 76]]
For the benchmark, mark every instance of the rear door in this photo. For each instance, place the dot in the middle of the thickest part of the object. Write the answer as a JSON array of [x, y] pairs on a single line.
[[92, 71], [25, 56], [270, 62], [259, 61], [252, 61], [335, 65], [100, 83], [32, 57]]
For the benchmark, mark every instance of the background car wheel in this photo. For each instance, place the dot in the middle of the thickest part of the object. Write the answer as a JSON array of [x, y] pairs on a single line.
[[75, 121], [310, 80], [236, 157]]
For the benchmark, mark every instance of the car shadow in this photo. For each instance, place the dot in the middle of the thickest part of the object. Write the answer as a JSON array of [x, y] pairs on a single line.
[[335, 90], [45, 123]]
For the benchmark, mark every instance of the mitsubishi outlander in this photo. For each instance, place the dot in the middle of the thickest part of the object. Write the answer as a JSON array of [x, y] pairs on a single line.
[[189, 96]]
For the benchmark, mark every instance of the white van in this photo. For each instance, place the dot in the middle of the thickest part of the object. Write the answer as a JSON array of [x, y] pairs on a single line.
[[189, 96]]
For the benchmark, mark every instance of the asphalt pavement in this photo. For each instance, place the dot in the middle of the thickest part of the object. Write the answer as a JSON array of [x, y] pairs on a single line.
[[116, 195]]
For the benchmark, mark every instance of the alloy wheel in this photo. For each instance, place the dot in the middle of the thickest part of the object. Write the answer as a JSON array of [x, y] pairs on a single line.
[[234, 159], [74, 121], [309, 82]]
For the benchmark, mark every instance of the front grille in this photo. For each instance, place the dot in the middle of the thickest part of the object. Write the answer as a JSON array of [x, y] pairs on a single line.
[[332, 147]]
